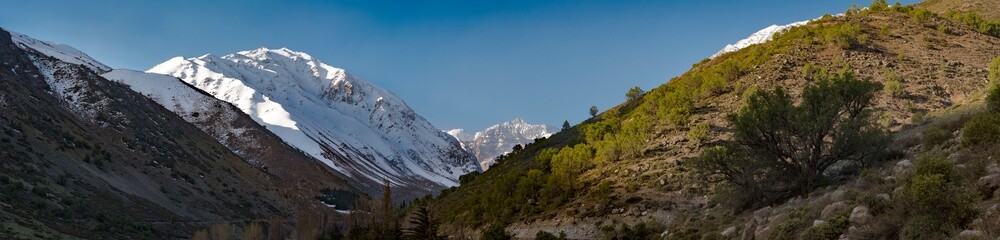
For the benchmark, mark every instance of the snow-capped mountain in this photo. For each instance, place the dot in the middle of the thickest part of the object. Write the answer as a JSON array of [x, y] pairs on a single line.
[[499, 139], [353, 127], [758, 37]]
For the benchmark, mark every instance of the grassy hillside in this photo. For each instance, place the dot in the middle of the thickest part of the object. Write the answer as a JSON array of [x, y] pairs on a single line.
[[627, 165]]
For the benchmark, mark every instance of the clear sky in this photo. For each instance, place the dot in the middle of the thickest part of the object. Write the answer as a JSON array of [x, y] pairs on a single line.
[[460, 64]]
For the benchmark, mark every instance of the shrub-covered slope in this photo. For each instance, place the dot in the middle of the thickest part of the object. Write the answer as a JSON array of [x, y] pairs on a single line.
[[627, 165]]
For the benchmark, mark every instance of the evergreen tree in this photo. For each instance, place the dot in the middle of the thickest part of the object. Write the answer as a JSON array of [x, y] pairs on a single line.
[[593, 111], [634, 93], [424, 226]]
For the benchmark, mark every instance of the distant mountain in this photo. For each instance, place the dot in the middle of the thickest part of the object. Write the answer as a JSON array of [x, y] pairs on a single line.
[[352, 126], [499, 139]]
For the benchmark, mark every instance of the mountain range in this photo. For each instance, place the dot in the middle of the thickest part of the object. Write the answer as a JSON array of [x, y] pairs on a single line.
[[499, 139]]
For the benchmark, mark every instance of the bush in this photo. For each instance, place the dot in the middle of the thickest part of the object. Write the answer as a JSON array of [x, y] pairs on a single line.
[[983, 129], [763, 160], [830, 230], [878, 6], [698, 133], [542, 235], [934, 136], [496, 231], [923, 227], [893, 88], [993, 100], [934, 164], [845, 35], [921, 15]]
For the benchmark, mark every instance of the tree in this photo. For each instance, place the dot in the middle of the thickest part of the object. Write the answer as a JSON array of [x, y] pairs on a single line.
[[593, 111], [565, 125], [634, 93], [495, 231], [424, 226], [779, 150], [569, 163]]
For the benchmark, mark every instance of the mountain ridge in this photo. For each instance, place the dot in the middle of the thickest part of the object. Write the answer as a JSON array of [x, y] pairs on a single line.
[[356, 128]]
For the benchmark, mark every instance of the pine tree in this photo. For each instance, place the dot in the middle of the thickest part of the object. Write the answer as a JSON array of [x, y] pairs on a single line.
[[565, 125], [424, 226], [593, 111]]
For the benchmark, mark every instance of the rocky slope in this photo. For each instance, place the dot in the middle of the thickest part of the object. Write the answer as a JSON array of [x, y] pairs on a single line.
[[499, 139], [301, 177], [355, 128], [85, 157]]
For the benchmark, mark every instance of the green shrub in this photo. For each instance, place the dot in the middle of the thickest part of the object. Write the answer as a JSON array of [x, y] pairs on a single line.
[[495, 231], [878, 6], [893, 88], [921, 15], [845, 35], [923, 227], [977, 23], [542, 235], [698, 133], [830, 230], [983, 129], [993, 100], [785, 230], [934, 164], [934, 136]]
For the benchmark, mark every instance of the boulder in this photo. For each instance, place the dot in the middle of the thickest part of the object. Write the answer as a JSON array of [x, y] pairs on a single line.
[[902, 168], [993, 168], [729, 232], [861, 215], [838, 195], [832, 209], [818, 222], [989, 184], [970, 234]]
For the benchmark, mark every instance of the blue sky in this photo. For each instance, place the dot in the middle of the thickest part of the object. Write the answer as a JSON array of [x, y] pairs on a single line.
[[460, 64]]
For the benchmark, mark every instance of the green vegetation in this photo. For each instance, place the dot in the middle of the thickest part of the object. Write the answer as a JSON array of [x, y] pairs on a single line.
[[780, 150], [893, 88], [936, 200], [634, 93], [593, 111], [984, 129], [542, 235], [829, 230], [496, 231], [698, 133], [976, 23], [994, 73]]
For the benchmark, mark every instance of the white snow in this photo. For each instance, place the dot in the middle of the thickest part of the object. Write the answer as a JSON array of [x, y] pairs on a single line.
[[499, 139], [352, 126], [762, 36], [59, 51], [185, 101]]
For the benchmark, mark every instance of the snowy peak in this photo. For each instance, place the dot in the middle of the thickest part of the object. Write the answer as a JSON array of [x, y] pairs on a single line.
[[499, 139], [59, 51], [349, 124], [759, 37]]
